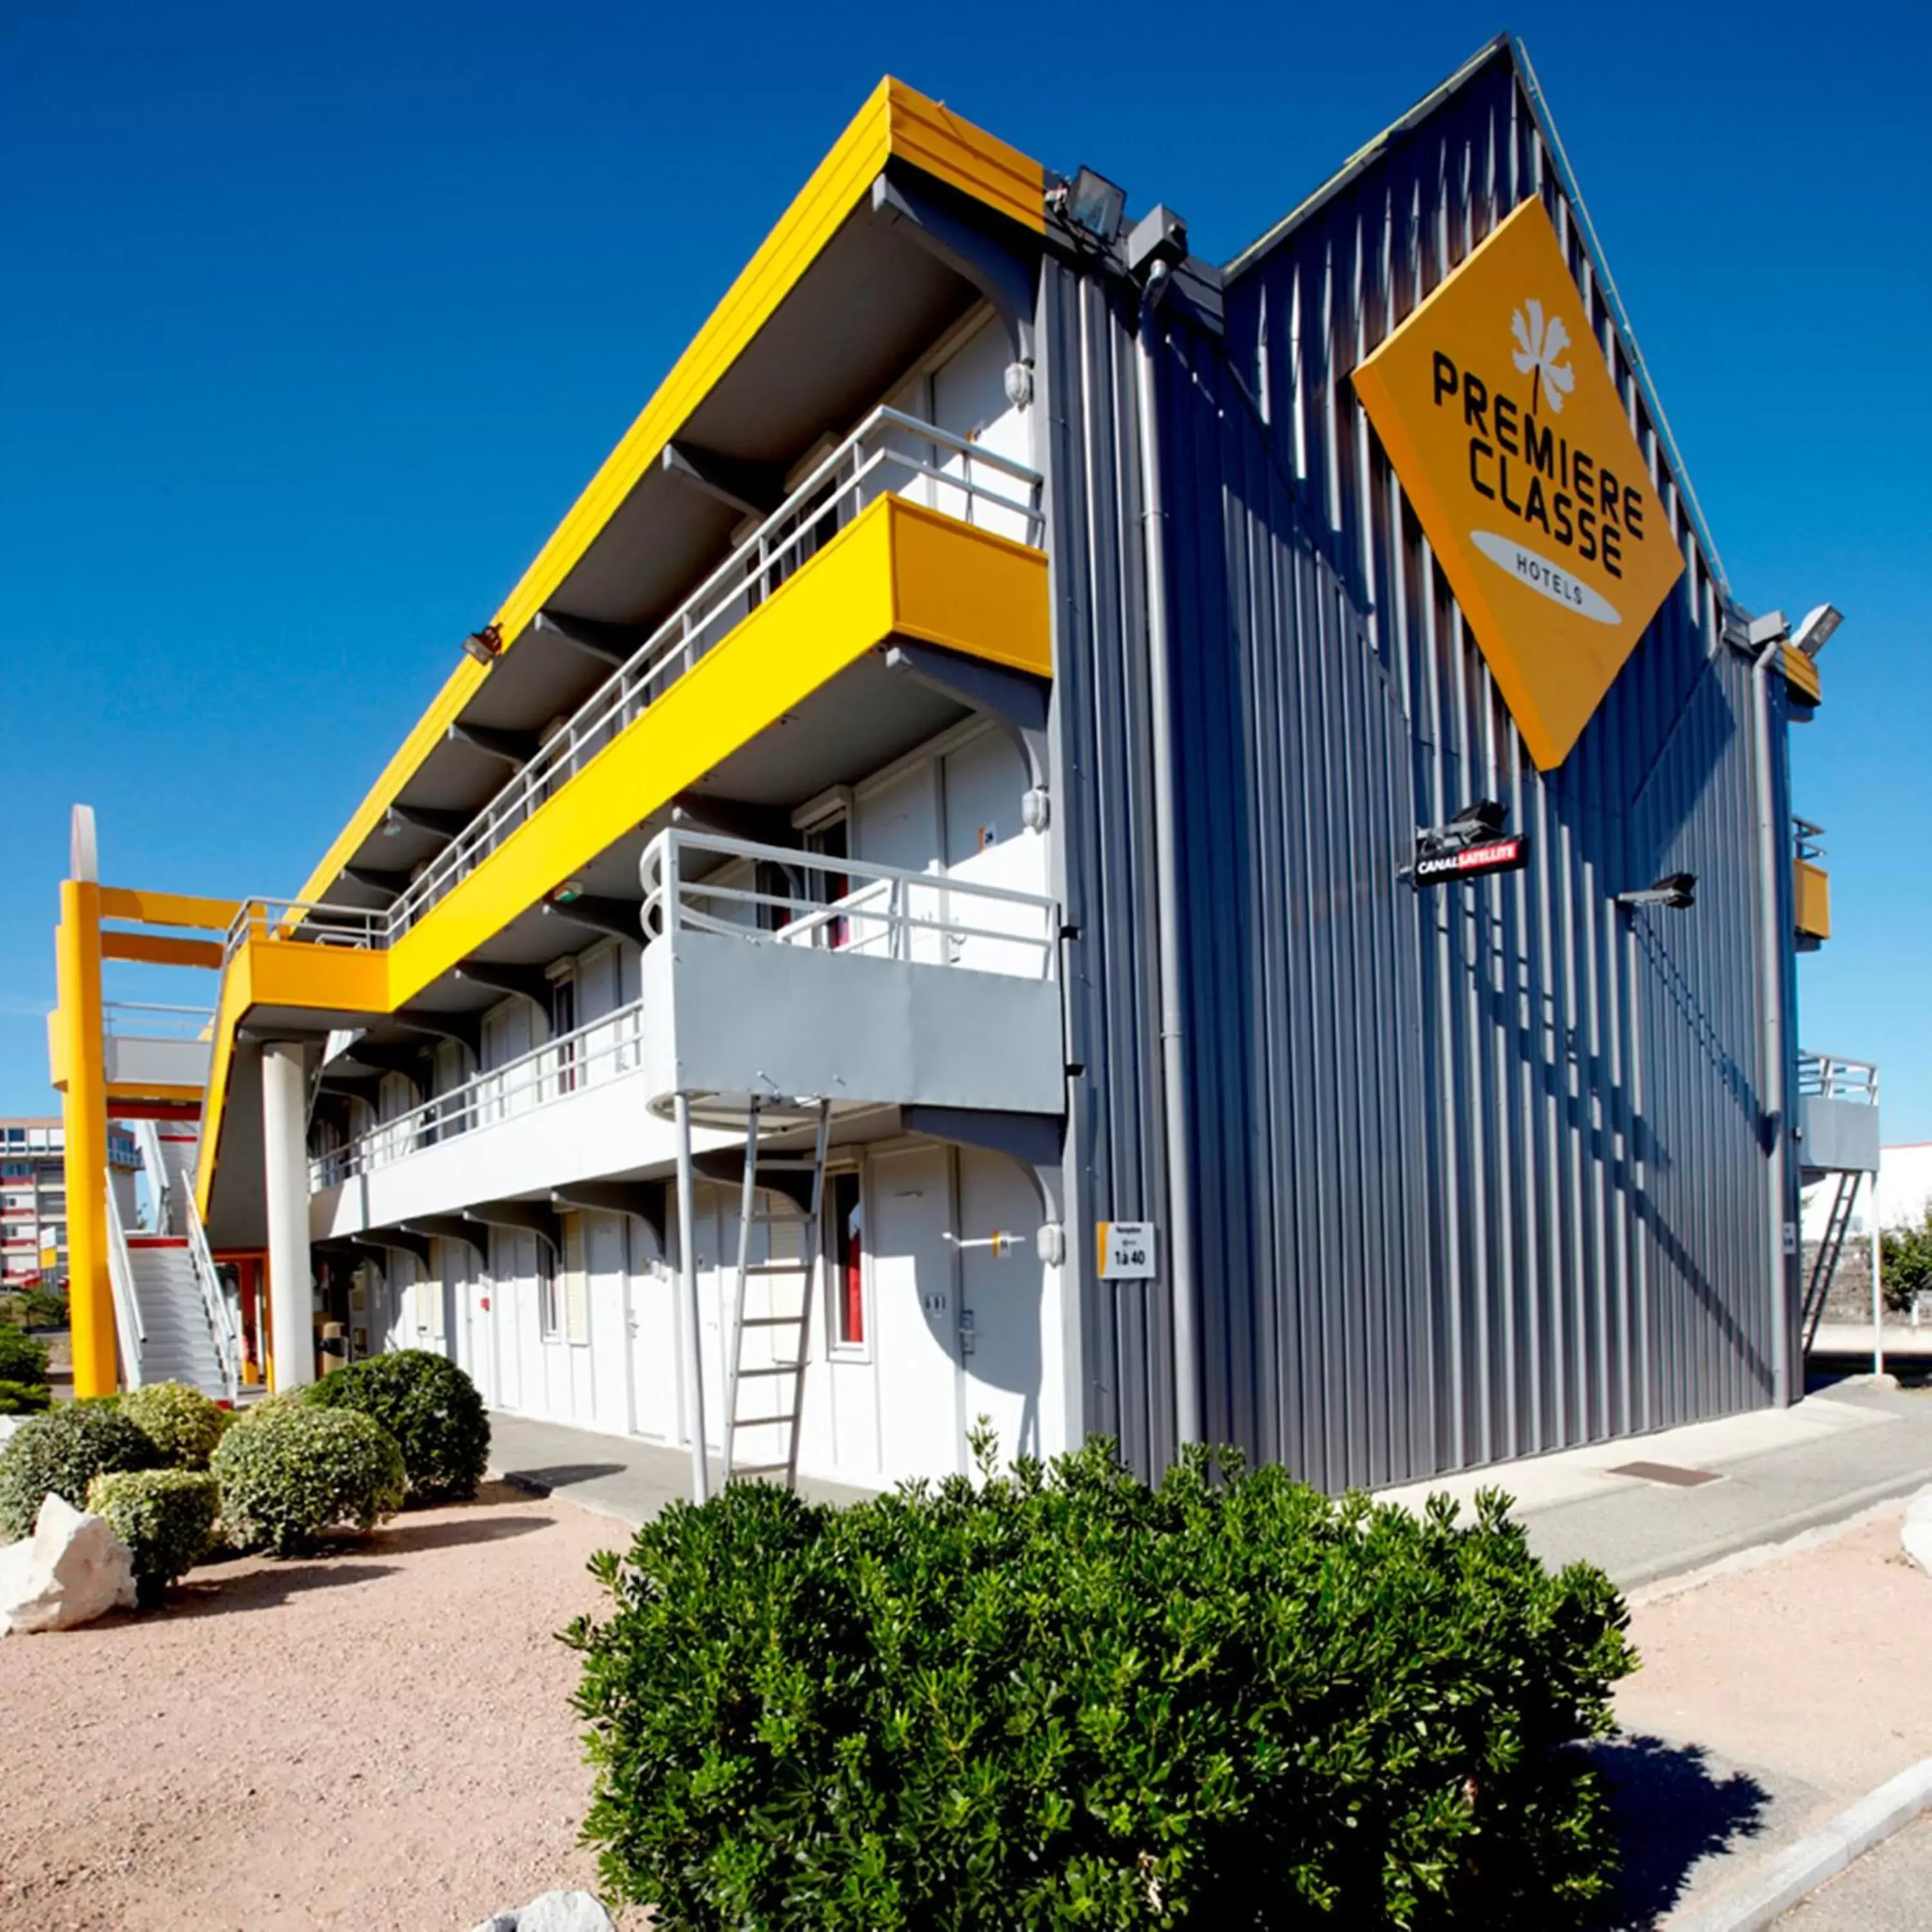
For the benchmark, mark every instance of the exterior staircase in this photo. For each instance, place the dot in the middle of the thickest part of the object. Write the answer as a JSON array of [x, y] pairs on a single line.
[[177, 1345]]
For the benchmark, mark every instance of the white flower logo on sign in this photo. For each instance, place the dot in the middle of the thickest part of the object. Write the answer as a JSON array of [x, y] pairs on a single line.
[[1539, 344]]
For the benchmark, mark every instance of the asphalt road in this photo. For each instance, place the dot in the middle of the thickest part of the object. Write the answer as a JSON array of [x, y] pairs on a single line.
[[1889, 1890]]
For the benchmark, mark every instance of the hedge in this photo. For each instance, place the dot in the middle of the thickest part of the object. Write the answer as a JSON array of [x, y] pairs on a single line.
[[1062, 1698], [430, 1407], [62, 1452], [289, 1472], [183, 1423], [21, 1358], [25, 1398], [165, 1517]]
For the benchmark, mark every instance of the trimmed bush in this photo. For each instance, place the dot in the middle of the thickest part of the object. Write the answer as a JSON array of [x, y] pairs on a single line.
[[62, 1452], [183, 1424], [165, 1517], [290, 1472], [21, 1358], [24, 1398], [432, 1410], [1062, 1698]]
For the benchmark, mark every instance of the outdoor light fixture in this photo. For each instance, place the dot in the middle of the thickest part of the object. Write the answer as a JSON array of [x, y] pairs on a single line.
[[1677, 890], [1483, 818], [1816, 632], [1093, 204], [392, 825], [568, 893], [485, 645]]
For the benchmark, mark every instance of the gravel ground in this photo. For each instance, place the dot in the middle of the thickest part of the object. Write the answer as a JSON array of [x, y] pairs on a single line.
[[377, 1739]]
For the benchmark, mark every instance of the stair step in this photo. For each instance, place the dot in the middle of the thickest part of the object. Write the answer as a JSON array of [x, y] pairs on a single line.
[[773, 1320], [776, 1369], [778, 1267]]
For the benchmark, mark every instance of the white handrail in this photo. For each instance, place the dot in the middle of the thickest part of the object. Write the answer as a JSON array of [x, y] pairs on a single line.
[[215, 1304], [133, 1335], [1831, 1076]]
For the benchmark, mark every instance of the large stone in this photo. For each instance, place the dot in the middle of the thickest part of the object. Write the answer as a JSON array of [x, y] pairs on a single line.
[[1917, 1535], [554, 1912], [73, 1569]]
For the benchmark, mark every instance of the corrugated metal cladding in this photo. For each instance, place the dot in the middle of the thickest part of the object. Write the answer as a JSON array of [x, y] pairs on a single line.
[[1481, 1170]]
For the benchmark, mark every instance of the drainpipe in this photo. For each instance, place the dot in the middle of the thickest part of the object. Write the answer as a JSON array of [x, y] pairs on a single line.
[[1772, 945], [1183, 1286], [687, 1261]]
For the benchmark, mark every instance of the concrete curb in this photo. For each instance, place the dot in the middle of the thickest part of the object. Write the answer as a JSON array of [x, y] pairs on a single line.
[[1796, 1873], [1682, 1562]]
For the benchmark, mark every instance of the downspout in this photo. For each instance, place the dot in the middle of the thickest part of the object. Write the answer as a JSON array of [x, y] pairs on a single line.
[[1183, 1288], [1772, 945]]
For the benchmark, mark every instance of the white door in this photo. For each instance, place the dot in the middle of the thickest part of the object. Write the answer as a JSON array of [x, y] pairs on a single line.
[[912, 1342], [1002, 1308], [657, 1359]]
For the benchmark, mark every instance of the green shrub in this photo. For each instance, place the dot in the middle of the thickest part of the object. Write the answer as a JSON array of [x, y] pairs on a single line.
[[183, 1424], [62, 1452], [1062, 1698], [289, 1472], [21, 1358], [432, 1410], [1905, 1262], [24, 1398], [44, 1308], [165, 1517]]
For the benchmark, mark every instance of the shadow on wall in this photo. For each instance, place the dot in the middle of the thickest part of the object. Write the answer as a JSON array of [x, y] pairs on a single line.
[[1672, 1808]]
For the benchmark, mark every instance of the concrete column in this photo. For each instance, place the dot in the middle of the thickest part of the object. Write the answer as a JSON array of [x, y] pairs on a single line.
[[285, 1184], [80, 1071]]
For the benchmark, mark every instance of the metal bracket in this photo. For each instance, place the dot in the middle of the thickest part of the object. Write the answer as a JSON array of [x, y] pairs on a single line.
[[609, 643], [467, 1029], [1012, 699], [430, 818], [645, 1201], [618, 917], [532, 981], [377, 879], [514, 748], [751, 489], [449, 1228], [994, 269], [399, 1239], [531, 1217], [1036, 1142]]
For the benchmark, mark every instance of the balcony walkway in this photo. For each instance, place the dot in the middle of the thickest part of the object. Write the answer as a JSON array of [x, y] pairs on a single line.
[[616, 1476]]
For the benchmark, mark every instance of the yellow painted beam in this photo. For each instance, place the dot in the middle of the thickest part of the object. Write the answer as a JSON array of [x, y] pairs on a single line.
[[150, 1089], [897, 120], [157, 949], [1811, 899], [77, 955], [184, 909], [1801, 672]]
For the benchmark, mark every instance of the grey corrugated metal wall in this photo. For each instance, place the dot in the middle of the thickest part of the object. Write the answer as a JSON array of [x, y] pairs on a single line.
[[1479, 1172]]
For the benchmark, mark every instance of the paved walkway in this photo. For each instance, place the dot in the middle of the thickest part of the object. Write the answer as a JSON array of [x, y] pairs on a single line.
[[617, 1476], [1889, 1890]]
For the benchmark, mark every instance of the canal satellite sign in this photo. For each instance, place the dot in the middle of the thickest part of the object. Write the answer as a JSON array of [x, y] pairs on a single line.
[[1435, 867], [1498, 410]]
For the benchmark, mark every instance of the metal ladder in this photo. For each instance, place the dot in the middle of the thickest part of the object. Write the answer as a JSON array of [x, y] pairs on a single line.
[[800, 1180], [1824, 1263]]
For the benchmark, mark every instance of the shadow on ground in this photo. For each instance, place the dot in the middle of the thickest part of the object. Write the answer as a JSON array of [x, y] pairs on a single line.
[[208, 1593], [1672, 1810], [560, 1475]]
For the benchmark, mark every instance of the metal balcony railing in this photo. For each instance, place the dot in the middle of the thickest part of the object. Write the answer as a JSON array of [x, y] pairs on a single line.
[[771, 894], [590, 1054], [767, 894], [135, 1019], [1808, 840], [1829, 1076]]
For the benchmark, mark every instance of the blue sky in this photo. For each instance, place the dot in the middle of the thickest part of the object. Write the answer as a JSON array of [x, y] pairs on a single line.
[[317, 319]]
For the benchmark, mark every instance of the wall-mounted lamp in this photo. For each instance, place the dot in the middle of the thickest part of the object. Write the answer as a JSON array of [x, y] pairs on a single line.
[[1677, 890], [1092, 204], [485, 645], [1815, 633], [568, 893]]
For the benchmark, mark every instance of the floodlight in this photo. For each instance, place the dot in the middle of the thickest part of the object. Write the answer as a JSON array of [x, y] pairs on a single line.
[[1816, 632], [1677, 890], [1483, 815], [1094, 204], [485, 645]]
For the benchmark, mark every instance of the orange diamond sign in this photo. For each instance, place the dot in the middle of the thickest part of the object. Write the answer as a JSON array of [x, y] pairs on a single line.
[[1497, 409]]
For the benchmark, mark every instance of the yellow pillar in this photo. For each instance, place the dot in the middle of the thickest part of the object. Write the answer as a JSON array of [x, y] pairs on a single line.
[[82, 1059]]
